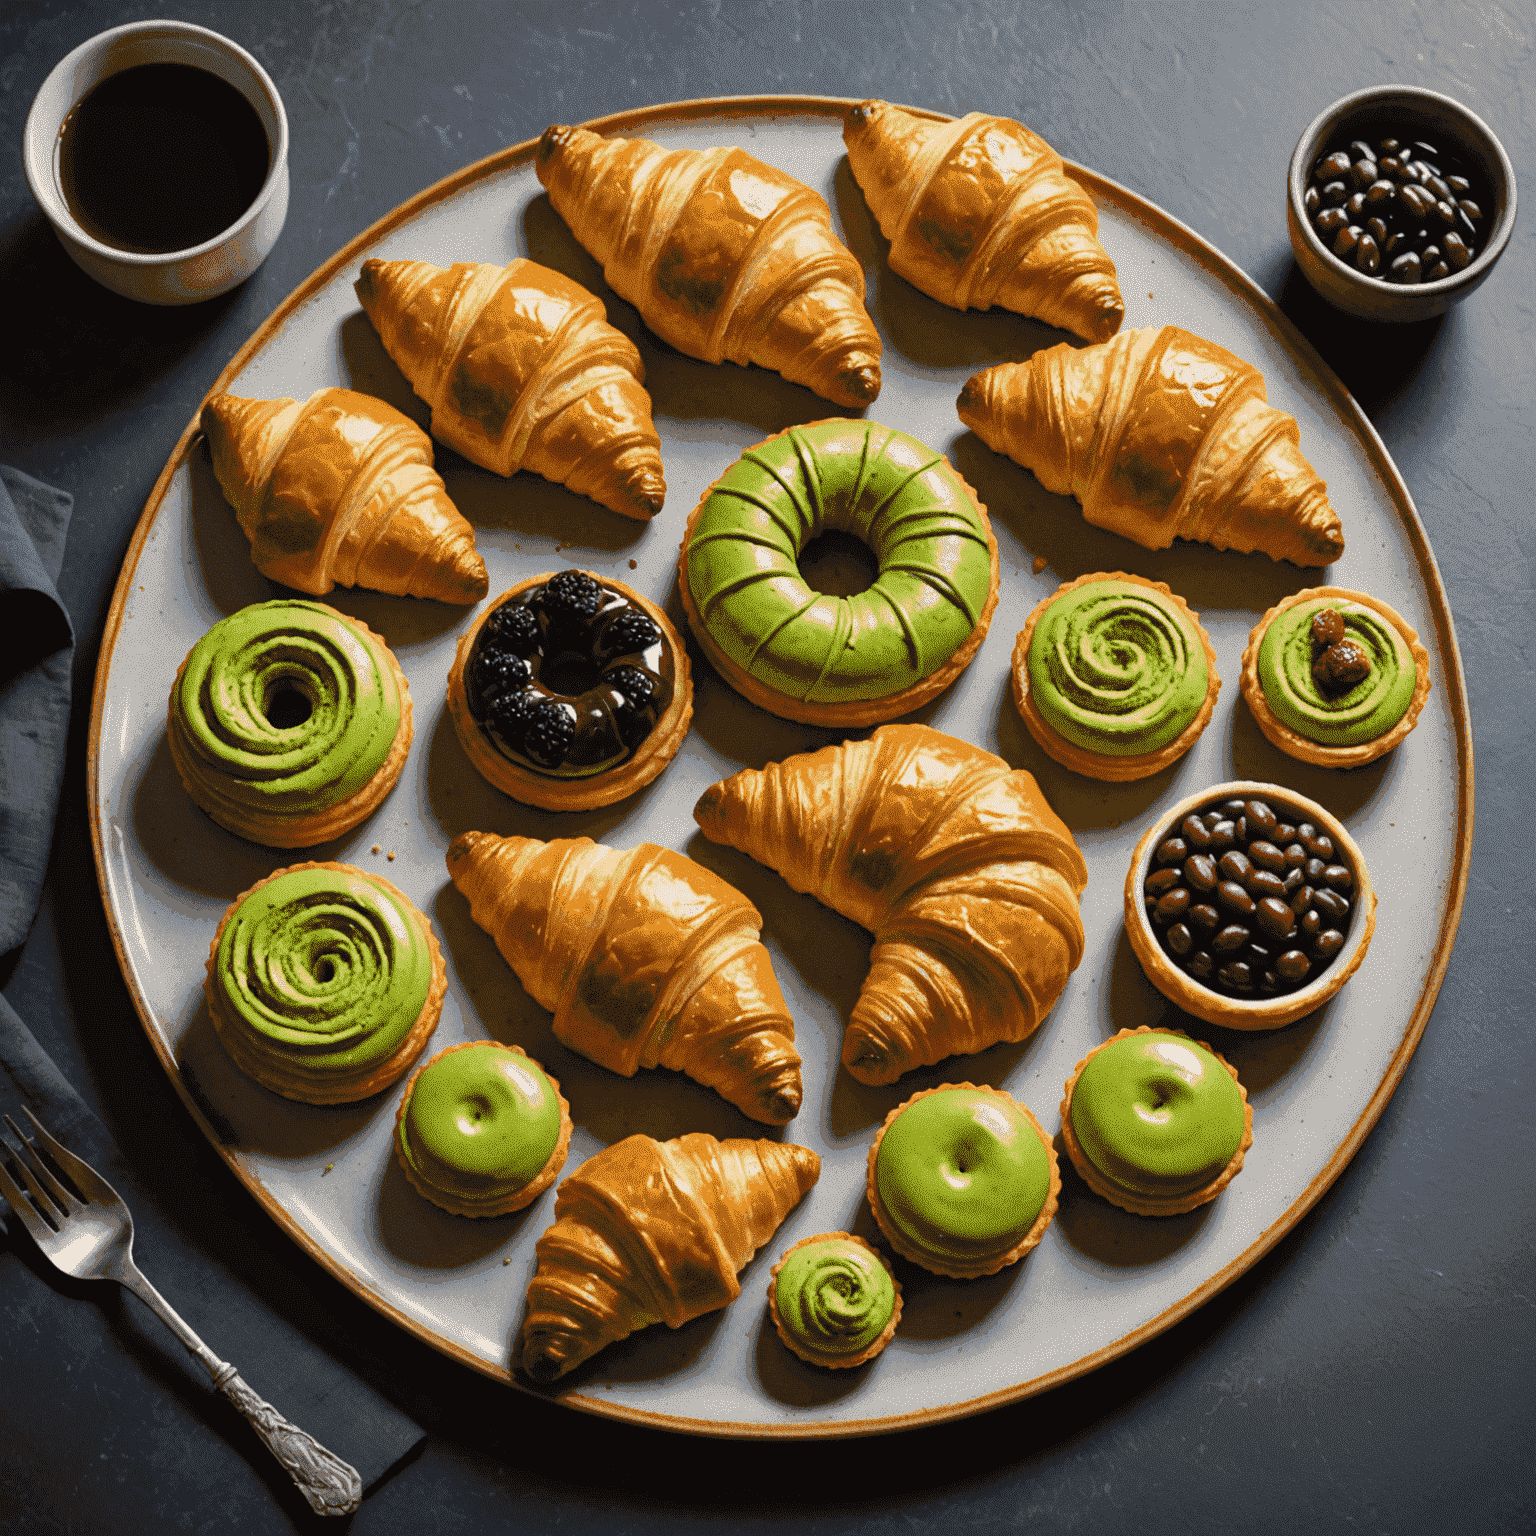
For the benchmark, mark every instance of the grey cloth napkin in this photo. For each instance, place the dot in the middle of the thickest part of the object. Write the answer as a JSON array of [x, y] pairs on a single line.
[[279, 1362]]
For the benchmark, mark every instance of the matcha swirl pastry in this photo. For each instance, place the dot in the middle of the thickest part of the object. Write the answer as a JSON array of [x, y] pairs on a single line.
[[1335, 677], [1115, 676], [814, 656], [289, 722], [324, 982], [834, 1300]]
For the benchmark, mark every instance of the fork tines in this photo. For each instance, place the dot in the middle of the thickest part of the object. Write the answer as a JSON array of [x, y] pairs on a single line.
[[51, 1199]]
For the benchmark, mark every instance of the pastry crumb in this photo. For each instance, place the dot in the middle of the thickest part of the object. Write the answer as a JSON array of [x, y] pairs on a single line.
[[376, 848], [634, 565], [390, 854], [1039, 564], [326, 1169], [505, 1262]]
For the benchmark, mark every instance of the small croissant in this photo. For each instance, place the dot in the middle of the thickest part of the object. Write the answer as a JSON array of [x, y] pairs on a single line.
[[969, 881], [653, 1232], [723, 256], [522, 371], [339, 490], [980, 211], [644, 957], [1160, 434]]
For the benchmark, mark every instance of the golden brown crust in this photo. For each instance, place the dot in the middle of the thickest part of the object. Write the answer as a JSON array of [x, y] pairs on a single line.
[[545, 790], [491, 1206], [276, 830], [1233, 1012], [330, 1089], [1292, 742], [1148, 1205], [958, 1271], [834, 1362], [855, 712], [1102, 765]]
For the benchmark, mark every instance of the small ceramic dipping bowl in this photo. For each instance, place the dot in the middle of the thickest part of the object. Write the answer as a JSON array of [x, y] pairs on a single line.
[[1408, 113], [1306, 833], [160, 277]]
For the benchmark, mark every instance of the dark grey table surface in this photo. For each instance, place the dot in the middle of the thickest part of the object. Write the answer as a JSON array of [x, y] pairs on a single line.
[[1374, 1372]]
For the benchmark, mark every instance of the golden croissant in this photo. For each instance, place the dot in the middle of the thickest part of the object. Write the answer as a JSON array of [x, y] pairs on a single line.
[[980, 211], [1160, 434], [653, 1232], [339, 489], [969, 881], [644, 957], [723, 256], [522, 371]]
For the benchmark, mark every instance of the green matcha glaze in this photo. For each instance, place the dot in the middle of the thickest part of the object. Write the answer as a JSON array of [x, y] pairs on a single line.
[[1368, 710], [1117, 668], [324, 968], [481, 1122], [1157, 1115], [246, 663], [902, 499], [834, 1297], [962, 1175]]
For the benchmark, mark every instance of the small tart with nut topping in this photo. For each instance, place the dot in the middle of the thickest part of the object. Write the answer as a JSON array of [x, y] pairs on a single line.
[[1335, 677]]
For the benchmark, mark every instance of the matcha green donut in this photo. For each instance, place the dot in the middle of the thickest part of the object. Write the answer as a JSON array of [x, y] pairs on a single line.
[[1117, 667], [283, 712], [960, 1176], [1157, 1115], [1368, 710], [833, 1297], [478, 1126], [930, 539], [318, 976]]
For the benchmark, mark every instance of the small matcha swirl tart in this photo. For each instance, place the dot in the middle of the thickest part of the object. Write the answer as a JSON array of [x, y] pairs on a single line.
[[962, 1180], [1334, 717], [1155, 1122], [834, 1300], [482, 1129], [289, 722], [1115, 676], [324, 982]]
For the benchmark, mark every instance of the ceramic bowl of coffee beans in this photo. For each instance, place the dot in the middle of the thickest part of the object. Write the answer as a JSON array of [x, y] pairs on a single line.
[[1400, 202], [1248, 905]]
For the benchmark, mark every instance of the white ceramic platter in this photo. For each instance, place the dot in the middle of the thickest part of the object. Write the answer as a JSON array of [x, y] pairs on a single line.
[[1102, 1280]]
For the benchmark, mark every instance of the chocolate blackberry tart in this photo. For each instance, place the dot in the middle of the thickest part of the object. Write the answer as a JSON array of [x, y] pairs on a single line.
[[570, 691]]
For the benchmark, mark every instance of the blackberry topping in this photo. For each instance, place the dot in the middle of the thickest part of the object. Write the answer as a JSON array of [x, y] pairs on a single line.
[[514, 627], [631, 631], [509, 715], [635, 695], [550, 730], [570, 599], [494, 672]]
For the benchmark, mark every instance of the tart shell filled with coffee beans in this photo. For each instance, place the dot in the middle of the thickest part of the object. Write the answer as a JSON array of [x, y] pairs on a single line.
[[1249, 905], [570, 691]]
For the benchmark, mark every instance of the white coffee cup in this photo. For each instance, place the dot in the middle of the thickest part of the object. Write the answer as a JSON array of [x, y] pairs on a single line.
[[171, 277]]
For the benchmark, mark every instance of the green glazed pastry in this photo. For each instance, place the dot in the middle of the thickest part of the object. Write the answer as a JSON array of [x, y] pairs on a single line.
[[962, 1180], [1157, 1121], [324, 982], [1358, 714], [482, 1129], [289, 722], [834, 1300], [809, 654]]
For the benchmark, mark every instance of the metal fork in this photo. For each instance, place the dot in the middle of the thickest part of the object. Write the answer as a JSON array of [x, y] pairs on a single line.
[[93, 1240]]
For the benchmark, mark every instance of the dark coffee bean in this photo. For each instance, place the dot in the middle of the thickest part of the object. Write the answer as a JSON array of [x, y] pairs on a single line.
[[1319, 845], [1200, 965], [1430, 256], [1232, 809], [1295, 856], [1283, 834], [1390, 168], [1292, 882], [1425, 150], [1194, 833], [1314, 869], [1368, 256], [1407, 269], [1231, 939], [1235, 865], [1332, 165], [1327, 945], [1223, 835], [1331, 905], [1263, 882], [1238, 976], [1292, 966], [1334, 193], [1376, 229], [1171, 851], [1172, 906], [1161, 881], [1363, 172], [1456, 251], [1204, 917], [1471, 209], [1438, 186], [1413, 197], [1240, 831], [1179, 939], [1266, 855], [1466, 229], [1354, 206], [1388, 146], [1276, 919], [1390, 244], [1200, 872], [1269, 983], [1361, 150], [1459, 185], [1301, 899], [1232, 896], [1262, 821], [1311, 202], [1310, 924], [1436, 272]]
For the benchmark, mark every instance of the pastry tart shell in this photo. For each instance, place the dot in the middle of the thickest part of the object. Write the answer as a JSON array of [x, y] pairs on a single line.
[[1150, 1205], [1292, 742], [1105, 765], [548, 791], [811, 1357], [957, 1269], [502, 1205], [328, 1088]]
